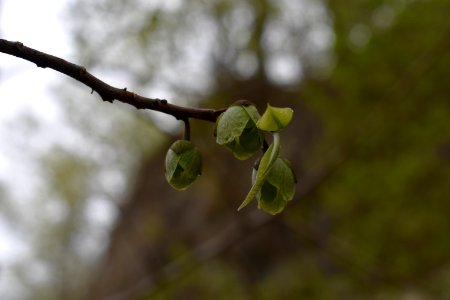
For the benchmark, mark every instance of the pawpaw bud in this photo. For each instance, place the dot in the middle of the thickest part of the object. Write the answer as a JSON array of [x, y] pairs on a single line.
[[275, 118], [236, 130], [183, 164], [278, 188]]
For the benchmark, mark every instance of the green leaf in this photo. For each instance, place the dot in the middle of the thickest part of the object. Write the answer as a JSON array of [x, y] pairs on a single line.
[[275, 118], [278, 188], [231, 124], [252, 112], [172, 160], [236, 130], [283, 178], [183, 164], [269, 200], [264, 167]]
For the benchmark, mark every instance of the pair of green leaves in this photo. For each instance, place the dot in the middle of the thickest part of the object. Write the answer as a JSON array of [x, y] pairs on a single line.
[[240, 129]]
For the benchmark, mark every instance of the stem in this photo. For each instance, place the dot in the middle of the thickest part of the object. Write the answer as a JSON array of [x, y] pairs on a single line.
[[106, 91], [275, 151], [187, 130]]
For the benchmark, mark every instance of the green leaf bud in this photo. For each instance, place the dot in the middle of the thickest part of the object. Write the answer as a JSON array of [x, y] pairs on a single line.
[[275, 118], [183, 164], [278, 187], [236, 130]]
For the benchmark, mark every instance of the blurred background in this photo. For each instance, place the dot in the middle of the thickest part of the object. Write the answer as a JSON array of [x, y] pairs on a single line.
[[85, 212]]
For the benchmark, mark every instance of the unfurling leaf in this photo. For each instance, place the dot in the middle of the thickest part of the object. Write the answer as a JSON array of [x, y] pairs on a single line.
[[265, 164], [275, 118], [183, 164], [236, 130], [278, 187]]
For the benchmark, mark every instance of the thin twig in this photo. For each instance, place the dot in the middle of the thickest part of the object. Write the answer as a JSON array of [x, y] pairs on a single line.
[[187, 130], [106, 91]]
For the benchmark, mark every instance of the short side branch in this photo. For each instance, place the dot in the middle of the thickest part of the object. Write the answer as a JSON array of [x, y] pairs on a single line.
[[106, 91]]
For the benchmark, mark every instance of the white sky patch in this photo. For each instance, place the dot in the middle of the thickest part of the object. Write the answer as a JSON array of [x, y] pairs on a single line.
[[12, 248], [23, 85], [25, 94], [25, 89], [284, 69], [37, 23]]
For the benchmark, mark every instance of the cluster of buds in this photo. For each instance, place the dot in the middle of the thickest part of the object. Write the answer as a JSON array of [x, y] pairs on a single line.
[[242, 131]]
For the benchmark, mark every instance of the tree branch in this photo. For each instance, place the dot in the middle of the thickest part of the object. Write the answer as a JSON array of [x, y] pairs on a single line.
[[106, 91]]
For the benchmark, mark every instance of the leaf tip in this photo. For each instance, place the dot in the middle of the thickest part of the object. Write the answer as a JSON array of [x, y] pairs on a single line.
[[275, 118]]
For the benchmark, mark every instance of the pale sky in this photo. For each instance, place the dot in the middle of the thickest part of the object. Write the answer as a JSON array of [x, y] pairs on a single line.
[[25, 91]]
